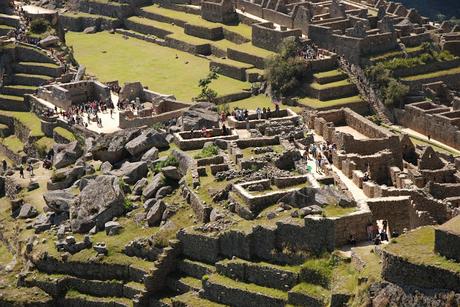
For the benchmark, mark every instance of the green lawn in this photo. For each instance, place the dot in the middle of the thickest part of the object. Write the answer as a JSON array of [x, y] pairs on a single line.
[[29, 119], [417, 247], [330, 85], [337, 211], [111, 57]]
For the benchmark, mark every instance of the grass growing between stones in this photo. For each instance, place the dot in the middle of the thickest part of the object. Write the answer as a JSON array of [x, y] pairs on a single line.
[[192, 299], [417, 247], [111, 57], [333, 210]]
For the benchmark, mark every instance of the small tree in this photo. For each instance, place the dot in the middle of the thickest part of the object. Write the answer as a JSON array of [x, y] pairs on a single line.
[[39, 26], [395, 93], [207, 93]]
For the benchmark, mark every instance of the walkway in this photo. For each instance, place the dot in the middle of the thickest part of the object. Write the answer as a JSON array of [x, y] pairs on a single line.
[[432, 141]]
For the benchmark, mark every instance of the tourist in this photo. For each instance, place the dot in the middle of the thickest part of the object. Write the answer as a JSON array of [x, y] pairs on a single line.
[[264, 113], [246, 114], [21, 171], [306, 155], [4, 166], [377, 240], [222, 116], [394, 234], [248, 126], [269, 112], [318, 164], [259, 113], [352, 240], [224, 130], [383, 235], [277, 107], [30, 169], [366, 177], [203, 132], [370, 231]]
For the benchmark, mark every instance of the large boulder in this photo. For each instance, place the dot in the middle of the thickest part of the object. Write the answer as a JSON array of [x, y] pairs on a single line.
[[151, 189], [99, 202], [203, 114], [111, 147], [145, 141], [171, 172], [184, 160], [59, 200], [66, 154], [131, 172], [155, 213], [64, 178], [27, 211], [150, 155]]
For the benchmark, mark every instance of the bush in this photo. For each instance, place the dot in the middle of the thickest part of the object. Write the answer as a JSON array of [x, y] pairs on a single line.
[[208, 151], [39, 26], [395, 93], [286, 71], [170, 161]]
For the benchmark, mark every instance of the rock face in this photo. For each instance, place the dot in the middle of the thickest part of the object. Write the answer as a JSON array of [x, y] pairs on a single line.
[[99, 202], [131, 172], [66, 154], [59, 200], [200, 115], [184, 160], [145, 141], [111, 147], [150, 155], [171, 172], [155, 213], [27, 211], [64, 178], [152, 188]]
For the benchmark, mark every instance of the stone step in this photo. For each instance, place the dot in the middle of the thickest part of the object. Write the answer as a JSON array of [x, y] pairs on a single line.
[[224, 290], [27, 53], [262, 274], [182, 284], [9, 20], [29, 79], [333, 90], [151, 27], [38, 68], [194, 268], [12, 103], [192, 299], [329, 76], [74, 298], [4, 29], [17, 90]]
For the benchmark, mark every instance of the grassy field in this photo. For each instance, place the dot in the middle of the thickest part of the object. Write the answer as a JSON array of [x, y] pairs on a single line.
[[111, 57]]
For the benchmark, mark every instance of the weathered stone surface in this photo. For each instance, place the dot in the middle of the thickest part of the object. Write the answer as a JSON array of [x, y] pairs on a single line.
[[184, 160], [163, 191], [200, 115], [49, 41], [155, 213], [27, 211], [171, 172], [59, 200], [131, 172], [66, 154], [64, 178], [111, 147], [89, 30], [106, 167], [100, 201], [145, 141], [139, 186], [151, 189], [149, 203], [112, 228], [150, 155]]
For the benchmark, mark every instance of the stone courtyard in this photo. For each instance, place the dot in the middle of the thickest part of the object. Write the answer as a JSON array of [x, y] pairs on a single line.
[[149, 159]]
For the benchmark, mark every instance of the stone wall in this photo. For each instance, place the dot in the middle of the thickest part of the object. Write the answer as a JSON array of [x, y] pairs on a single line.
[[396, 210], [109, 9], [402, 272], [264, 35], [424, 69], [126, 122], [79, 23]]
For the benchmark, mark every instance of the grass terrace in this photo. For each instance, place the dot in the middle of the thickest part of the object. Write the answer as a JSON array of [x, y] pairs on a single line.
[[440, 73], [417, 247], [395, 53], [65, 133], [333, 210], [317, 104], [109, 55], [28, 119], [242, 29], [330, 85], [13, 143]]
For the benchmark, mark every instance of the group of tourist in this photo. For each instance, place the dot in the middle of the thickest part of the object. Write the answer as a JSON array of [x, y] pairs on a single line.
[[91, 109], [322, 154], [262, 113]]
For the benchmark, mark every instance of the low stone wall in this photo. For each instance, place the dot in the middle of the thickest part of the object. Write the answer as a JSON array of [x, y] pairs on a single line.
[[281, 115], [209, 161], [424, 69], [109, 9], [452, 81], [203, 49], [258, 142], [79, 23], [244, 57], [125, 122], [233, 97], [231, 71], [204, 32], [333, 93], [198, 142], [283, 182], [201, 210], [30, 53], [146, 29], [402, 272]]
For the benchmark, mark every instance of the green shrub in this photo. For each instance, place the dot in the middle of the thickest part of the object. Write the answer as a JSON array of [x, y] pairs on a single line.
[[286, 71], [128, 205], [170, 161], [39, 26], [395, 93], [207, 151]]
